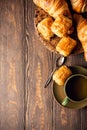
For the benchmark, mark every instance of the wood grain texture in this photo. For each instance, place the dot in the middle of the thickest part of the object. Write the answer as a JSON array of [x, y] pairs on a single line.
[[11, 65], [24, 67], [38, 63]]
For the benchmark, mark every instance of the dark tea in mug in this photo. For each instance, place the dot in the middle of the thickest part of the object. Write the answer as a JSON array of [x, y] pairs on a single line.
[[76, 88]]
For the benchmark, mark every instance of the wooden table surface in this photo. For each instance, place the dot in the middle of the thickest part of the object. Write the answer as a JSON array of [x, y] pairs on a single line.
[[24, 67]]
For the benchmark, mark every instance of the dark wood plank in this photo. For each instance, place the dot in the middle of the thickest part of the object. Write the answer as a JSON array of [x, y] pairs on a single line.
[[84, 119], [11, 65], [38, 64], [76, 60], [66, 118]]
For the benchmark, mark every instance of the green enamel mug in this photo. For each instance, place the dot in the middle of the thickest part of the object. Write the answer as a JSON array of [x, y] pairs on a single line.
[[75, 89]]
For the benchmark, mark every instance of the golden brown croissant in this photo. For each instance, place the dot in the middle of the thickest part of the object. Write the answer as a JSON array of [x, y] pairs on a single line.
[[54, 7], [79, 6], [82, 32], [61, 75], [44, 28]]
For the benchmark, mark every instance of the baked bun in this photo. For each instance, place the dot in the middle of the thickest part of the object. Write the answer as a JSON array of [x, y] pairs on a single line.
[[44, 27], [66, 45], [61, 75], [62, 26]]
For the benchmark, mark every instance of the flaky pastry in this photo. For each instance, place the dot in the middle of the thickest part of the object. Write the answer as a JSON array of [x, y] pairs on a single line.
[[44, 28], [82, 32], [79, 6], [66, 45], [62, 26], [54, 7], [61, 75]]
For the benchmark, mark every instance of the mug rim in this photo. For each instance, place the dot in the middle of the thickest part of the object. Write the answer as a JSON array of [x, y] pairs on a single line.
[[70, 77]]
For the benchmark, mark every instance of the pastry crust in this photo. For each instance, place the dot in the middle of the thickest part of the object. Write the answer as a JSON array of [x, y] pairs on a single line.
[[44, 28], [79, 6], [66, 45], [54, 7], [62, 26], [82, 32], [61, 75]]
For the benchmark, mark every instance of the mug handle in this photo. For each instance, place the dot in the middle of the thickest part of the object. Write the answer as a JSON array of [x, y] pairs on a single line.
[[65, 101]]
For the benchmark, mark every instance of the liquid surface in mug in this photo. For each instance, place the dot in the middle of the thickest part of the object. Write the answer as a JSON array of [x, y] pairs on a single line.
[[76, 88]]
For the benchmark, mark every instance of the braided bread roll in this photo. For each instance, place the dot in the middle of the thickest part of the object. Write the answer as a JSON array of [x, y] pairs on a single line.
[[79, 6]]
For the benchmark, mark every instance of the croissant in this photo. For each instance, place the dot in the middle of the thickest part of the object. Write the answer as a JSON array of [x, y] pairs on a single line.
[[54, 7], [79, 6], [82, 32]]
